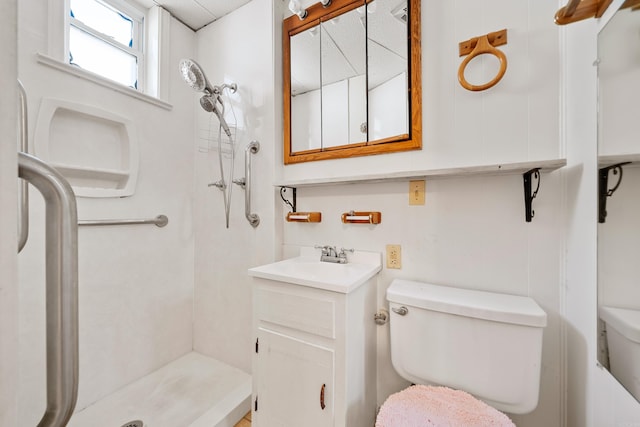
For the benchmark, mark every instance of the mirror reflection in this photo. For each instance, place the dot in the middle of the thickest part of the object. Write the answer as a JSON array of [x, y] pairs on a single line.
[[305, 91], [619, 204], [348, 86], [387, 70], [344, 81]]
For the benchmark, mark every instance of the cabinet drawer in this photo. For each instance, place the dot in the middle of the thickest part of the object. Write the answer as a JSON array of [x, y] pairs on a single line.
[[307, 314]]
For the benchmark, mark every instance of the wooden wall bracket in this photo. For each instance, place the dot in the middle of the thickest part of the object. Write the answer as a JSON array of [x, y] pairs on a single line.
[[577, 10], [497, 38]]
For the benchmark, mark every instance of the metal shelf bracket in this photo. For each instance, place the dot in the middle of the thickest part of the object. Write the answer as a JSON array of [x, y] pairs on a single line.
[[603, 187], [529, 193], [283, 189]]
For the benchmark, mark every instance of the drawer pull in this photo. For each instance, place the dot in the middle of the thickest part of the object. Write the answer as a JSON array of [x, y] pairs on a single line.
[[322, 405]]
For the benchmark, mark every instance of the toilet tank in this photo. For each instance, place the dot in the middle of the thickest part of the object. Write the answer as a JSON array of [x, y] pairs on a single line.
[[623, 340], [484, 343]]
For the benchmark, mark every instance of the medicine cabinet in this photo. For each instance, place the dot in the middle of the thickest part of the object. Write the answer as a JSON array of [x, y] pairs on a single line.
[[351, 80]]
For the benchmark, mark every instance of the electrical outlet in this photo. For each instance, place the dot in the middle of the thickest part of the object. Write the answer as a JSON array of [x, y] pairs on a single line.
[[416, 192], [394, 256]]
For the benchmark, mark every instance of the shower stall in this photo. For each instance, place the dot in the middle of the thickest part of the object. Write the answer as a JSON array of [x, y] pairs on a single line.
[[164, 313]]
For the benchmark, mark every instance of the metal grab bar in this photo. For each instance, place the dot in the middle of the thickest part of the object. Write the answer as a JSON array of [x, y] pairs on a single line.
[[245, 183], [160, 221], [23, 195], [61, 288]]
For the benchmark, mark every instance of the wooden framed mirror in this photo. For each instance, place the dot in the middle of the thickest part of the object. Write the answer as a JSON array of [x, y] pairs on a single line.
[[352, 80]]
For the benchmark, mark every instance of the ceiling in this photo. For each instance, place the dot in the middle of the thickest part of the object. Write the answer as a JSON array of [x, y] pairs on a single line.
[[196, 13]]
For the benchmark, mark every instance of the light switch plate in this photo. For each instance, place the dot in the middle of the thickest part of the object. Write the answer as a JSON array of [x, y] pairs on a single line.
[[416, 192]]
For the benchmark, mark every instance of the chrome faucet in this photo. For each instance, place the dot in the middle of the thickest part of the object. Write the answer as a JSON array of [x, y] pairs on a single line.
[[329, 254]]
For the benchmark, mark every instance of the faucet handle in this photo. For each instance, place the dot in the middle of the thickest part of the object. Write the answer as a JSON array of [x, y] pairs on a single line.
[[324, 248], [343, 251]]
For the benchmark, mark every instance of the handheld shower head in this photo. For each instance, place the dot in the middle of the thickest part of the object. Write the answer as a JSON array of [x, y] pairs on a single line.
[[208, 103], [194, 76]]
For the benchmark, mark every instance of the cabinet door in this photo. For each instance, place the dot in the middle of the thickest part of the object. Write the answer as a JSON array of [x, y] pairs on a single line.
[[294, 380]]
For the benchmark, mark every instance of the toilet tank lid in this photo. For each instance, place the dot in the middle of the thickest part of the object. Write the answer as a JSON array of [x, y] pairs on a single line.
[[466, 302], [624, 320]]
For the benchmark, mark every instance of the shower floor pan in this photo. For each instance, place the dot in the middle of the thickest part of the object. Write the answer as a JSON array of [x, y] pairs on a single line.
[[192, 391]]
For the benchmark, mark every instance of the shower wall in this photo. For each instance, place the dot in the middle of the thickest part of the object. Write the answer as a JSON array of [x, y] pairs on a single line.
[[238, 48], [135, 282]]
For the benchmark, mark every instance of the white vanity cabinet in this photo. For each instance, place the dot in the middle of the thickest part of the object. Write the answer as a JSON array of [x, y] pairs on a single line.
[[315, 354]]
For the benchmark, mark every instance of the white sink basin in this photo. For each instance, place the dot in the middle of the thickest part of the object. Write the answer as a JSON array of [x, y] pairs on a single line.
[[308, 270]]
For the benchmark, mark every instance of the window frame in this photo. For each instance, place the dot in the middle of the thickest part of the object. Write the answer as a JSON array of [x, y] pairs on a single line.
[[136, 49]]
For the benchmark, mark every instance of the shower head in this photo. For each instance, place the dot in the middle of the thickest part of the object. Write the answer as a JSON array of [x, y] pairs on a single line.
[[209, 104], [194, 76]]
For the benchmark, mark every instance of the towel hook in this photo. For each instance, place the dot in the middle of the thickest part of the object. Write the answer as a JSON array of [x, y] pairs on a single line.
[[478, 46]]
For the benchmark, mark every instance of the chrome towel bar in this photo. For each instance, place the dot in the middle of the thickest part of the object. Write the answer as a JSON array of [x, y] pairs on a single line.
[[160, 221]]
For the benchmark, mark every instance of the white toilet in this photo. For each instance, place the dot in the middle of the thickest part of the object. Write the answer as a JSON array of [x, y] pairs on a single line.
[[623, 340], [486, 344]]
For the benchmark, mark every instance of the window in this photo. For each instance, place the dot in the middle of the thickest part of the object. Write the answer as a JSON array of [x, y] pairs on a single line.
[[105, 37]]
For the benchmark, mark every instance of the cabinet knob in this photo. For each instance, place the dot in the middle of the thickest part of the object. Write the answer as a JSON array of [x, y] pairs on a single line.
[[322, 405]]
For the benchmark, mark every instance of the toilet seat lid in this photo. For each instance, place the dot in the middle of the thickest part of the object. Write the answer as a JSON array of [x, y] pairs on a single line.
[[437, 406]]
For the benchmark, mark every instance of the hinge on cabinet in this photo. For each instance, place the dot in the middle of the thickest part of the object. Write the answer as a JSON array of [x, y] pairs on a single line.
[[257, 344], [255, 405]]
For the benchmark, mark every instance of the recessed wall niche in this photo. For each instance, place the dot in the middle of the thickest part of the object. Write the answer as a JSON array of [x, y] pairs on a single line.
[[94, 149]]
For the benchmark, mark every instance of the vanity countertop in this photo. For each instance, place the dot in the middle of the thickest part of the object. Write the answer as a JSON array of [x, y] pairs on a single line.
[[307, 270]]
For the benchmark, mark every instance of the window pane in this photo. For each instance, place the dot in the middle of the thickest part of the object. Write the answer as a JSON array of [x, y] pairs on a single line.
[[104, 19], [95, 55]]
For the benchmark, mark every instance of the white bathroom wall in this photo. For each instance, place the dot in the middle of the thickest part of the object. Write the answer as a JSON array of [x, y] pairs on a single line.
[[8, 202], [594, 398], [515, 121], [135, 282], [470, 233], [237, 48]]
